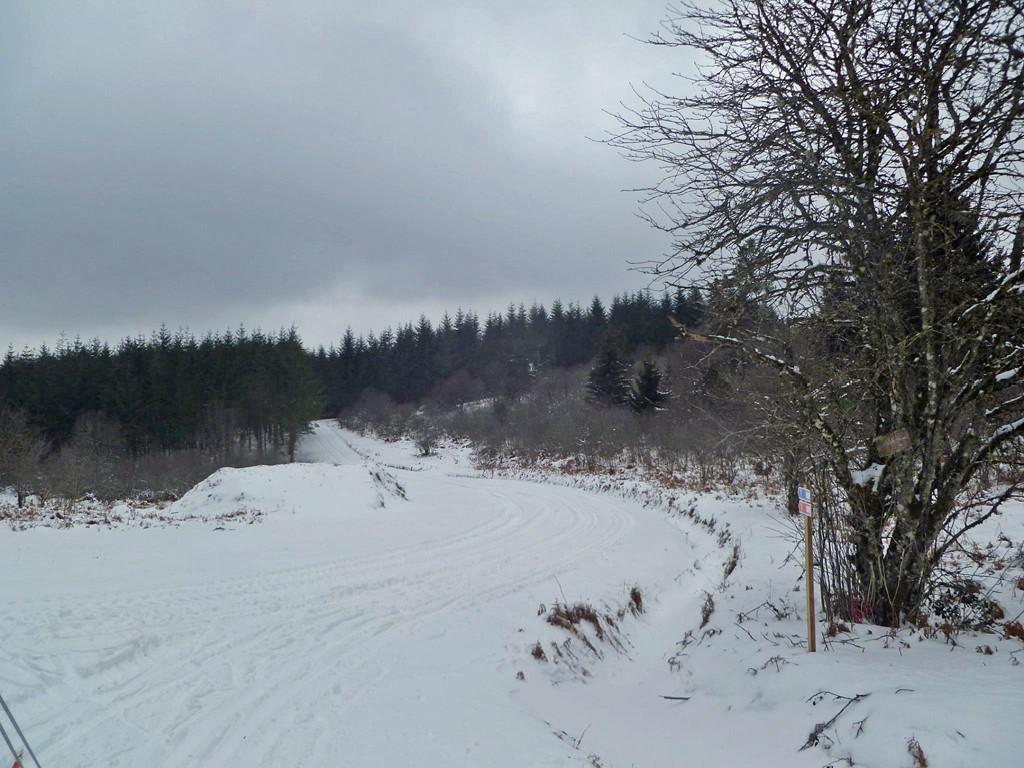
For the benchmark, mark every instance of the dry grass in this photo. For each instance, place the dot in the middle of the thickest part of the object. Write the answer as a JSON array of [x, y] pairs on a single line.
[[834, 628], [569, 617], [1014, 629], [590, 627], [706, 610], [538, 652], [636, 601], [916, 753], [731, 563]]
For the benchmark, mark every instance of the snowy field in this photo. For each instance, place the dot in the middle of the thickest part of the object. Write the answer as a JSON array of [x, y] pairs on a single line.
[[370, 608]]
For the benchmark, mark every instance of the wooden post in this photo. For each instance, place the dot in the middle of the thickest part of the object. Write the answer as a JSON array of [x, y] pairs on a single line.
[[809, 568]]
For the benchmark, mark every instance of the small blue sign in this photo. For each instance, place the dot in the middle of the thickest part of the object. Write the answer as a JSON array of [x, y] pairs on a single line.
[[803, 493]]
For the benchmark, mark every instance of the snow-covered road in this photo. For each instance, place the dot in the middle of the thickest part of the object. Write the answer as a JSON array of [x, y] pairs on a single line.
[[351, 626], [369, 608]]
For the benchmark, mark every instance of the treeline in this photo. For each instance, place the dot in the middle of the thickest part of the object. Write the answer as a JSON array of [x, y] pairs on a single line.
[[158, 413], [463, 359], [174, 391], [152, 414], [588, 386], [171, 391]]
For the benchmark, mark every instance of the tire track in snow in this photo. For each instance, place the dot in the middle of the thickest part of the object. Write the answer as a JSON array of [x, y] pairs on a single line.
[[230, 672], [440, 581]]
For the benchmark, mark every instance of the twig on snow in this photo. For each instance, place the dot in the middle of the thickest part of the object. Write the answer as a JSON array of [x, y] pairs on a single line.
[[820, 728]]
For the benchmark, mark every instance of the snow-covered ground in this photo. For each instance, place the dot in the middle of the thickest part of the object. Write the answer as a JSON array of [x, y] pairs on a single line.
[[371, 608]]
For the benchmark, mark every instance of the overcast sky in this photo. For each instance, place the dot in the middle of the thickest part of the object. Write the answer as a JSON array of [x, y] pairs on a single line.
[[327, 164]]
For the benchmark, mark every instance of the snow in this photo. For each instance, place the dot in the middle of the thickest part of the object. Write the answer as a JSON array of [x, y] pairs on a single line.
[[1013, 426], [870, 474], [369, 607]]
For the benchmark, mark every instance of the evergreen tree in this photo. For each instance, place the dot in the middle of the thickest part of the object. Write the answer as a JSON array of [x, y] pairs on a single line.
[[608, 382], [647, 393], [697, 309], [298, 391]]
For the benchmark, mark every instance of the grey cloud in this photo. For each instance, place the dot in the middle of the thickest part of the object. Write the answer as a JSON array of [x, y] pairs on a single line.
[[198, 162]]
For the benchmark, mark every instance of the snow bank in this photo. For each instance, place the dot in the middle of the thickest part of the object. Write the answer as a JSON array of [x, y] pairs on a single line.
[[311, 491]]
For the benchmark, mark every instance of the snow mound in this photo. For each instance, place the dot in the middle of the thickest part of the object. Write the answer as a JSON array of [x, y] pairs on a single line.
[[311, 491]]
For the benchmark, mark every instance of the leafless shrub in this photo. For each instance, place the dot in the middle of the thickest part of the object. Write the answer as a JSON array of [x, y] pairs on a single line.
[[377, 412], [425, 435], [459, 388], [95, 463], [22, 448]]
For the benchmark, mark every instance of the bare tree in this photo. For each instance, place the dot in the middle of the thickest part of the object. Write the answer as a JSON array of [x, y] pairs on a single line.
[[856, 165], [21, 450]]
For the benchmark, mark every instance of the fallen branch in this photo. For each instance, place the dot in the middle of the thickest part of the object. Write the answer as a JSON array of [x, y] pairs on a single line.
[[820, 728]]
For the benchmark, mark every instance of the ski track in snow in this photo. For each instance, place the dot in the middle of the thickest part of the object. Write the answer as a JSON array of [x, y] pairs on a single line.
[[296, 657], [379, 616]]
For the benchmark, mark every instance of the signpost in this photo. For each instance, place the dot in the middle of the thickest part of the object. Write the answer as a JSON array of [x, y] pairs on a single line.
[[805, 508]]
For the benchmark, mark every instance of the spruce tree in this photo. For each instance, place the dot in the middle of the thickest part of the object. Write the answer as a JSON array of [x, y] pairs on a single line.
[[608, 382], [647, 393]]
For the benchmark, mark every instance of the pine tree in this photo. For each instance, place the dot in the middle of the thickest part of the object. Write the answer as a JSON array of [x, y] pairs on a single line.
[[298, 395], [697, 309], [647, 393], [608, 382]]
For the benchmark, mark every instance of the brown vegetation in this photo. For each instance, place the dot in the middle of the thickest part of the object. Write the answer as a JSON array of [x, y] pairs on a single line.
[[707, 609], [916, 753]]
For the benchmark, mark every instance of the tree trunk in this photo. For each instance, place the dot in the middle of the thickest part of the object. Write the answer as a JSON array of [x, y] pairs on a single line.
[[892, 572], [791, 478], [866, 515], [293, 441]]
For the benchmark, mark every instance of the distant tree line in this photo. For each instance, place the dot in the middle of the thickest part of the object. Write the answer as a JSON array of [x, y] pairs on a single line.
[[171, 391], [151, 413], [463, 359], [160, 412]]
